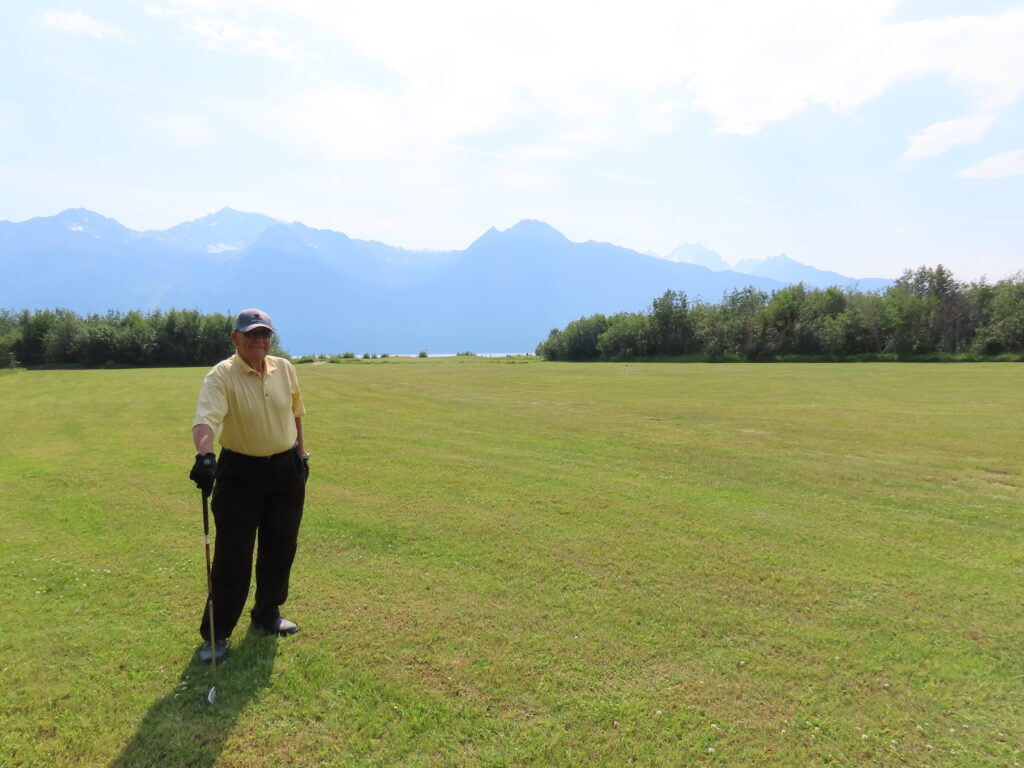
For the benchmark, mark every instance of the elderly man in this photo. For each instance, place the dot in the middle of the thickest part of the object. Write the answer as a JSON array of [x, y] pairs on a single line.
[[252, 400]]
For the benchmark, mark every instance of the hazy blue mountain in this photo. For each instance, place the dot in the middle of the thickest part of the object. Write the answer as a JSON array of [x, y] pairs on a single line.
[[86, 262], [361, 260], [695, 253], [331, 293], [73, 228], [506, 292], [786, 270], [225, 230]]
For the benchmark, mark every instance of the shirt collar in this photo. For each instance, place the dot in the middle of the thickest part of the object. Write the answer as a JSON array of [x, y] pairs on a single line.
[[268, 363]]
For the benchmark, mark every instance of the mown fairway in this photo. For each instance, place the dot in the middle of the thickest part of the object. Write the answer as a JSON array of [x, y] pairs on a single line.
[[510, 563]]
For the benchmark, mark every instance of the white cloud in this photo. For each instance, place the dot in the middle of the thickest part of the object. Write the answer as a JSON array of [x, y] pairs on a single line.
[[524, 180], [342, 121], [996, 167], [161, 11], [622, 178], [223, 34], [545, 152], [183, 130], [463, 66], [844, 56], [77, 23], [938, 138], [769, 204], [662, 118], [190, 130]]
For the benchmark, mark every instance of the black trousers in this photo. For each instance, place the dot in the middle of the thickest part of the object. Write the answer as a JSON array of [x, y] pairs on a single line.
[[257, 503]]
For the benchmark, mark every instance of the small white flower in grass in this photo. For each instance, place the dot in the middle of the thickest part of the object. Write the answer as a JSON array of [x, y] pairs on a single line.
[[657, 711], [711, 750], [715, 726]]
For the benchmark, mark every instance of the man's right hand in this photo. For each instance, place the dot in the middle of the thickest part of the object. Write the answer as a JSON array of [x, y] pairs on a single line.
[[203, 471]]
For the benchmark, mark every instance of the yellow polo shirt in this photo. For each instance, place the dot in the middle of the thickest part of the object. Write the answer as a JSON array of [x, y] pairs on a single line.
[[253, 414]]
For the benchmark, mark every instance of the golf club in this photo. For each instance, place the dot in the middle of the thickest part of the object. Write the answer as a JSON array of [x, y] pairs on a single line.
[[212, 695]]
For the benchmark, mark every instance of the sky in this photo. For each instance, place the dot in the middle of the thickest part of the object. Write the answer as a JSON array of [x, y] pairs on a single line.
[[864, 137]]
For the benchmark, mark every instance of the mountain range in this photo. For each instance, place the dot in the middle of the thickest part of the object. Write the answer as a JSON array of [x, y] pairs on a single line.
[[331, 293]]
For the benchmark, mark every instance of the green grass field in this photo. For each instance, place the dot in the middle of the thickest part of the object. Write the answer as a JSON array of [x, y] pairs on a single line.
[[516, 563]]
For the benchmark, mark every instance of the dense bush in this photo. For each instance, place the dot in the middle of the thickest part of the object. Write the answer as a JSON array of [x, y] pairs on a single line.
[[926, 313], [60, 337]]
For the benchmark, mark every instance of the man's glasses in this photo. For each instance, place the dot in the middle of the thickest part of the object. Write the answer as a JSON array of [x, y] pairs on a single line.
[[259, 333]]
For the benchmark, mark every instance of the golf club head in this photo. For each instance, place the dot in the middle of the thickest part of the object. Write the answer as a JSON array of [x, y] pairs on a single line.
[[211, 696]]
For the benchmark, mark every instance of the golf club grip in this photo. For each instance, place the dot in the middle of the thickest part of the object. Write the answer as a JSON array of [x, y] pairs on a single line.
[[206, 513]]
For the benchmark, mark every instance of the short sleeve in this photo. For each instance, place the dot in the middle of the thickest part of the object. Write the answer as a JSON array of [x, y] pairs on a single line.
[[298, 407], [213, 401]]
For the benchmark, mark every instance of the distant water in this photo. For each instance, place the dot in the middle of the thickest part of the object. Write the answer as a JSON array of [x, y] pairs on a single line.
[[475, 354]]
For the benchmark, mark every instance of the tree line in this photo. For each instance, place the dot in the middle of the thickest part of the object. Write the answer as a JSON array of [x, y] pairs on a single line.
[[924, 313], [61, 337]]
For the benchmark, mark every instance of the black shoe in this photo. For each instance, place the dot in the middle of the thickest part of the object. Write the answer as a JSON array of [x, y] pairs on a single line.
[[206, 653], [278, 627]]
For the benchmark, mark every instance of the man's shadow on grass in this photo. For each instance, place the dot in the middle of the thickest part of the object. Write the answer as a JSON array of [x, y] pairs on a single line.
[[182, 729]]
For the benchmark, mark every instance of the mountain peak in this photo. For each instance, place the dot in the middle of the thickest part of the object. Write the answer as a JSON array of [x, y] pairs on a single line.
[[787, 270], [782, 259], [702, 256], [89, 222], [525, 230], [225, 230], [536, 230], [80, 214], [234, 216]]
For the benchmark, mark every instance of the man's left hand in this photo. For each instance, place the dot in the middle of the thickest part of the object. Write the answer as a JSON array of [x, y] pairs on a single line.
[[203, 471]]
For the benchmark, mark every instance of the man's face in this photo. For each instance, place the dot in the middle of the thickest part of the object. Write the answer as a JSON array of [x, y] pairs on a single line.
[[252, 345]]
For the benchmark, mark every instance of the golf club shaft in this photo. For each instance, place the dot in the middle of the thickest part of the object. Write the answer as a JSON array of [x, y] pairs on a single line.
[[209, 582]]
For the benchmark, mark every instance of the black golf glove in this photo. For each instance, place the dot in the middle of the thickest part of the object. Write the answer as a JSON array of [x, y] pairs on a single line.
[[305, 468], [203, 471]]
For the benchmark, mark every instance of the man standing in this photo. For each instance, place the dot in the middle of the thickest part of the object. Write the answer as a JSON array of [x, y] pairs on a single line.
[[252, 400]]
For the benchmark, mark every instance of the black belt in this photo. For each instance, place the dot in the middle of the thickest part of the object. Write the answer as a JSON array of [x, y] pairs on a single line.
[[280, 455]]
